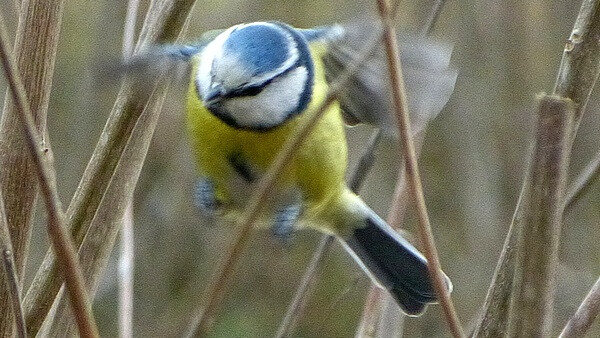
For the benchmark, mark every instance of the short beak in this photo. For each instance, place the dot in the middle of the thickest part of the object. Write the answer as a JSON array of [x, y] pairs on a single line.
[[214, 95]]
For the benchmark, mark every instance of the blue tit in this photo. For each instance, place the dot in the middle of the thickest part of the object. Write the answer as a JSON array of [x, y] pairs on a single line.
[[252, 86]]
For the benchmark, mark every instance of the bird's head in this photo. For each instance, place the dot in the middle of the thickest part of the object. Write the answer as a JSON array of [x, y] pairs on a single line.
[[256, 76]]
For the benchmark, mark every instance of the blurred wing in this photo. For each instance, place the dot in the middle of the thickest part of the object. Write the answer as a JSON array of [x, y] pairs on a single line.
[[170, 59], [367, 98]]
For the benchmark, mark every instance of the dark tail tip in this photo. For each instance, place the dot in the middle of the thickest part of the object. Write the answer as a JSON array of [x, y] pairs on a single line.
[[395, 264]]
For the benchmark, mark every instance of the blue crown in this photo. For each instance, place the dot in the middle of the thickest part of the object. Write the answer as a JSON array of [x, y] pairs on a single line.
[[261, 47]]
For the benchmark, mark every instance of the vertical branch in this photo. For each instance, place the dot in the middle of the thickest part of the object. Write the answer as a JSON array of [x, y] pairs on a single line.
[[10, 272], [61, 242], [412, 170], [532, 297], [35, 46], [102, 165], [126, 258], [585, 315], [577, 74]]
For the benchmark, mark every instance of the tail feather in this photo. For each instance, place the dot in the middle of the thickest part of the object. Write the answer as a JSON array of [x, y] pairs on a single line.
[[394, 263]]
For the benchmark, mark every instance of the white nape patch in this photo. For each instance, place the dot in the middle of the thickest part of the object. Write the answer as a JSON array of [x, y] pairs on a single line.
[[271, 106]]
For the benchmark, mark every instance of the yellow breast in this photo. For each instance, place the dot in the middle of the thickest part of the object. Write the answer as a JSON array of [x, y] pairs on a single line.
[[317, 168]]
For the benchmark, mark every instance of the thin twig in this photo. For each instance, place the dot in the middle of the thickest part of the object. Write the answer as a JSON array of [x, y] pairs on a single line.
[[433, 17], [10, 272], [585, 315], [60, 238], [577, 74], [129, 29], [290, 320], [412, 169], [160, 21], [583, 182], [220, 281]]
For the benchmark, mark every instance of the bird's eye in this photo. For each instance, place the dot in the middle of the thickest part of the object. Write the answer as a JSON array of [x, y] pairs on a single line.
[[250, 91]]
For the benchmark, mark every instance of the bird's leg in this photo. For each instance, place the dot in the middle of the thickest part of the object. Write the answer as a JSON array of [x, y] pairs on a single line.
[[285, 219], [205, 196]]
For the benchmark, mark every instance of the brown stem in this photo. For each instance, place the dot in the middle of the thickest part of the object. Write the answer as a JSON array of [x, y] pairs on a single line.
[[577, 75], [412, 169], [35, 46], [532, 296], [101, 168], [61, 241]]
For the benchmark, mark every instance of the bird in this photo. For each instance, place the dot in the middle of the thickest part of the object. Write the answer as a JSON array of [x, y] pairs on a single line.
[[252, 85]]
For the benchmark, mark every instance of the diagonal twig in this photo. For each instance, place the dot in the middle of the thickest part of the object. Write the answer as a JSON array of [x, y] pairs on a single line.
[[412, 170], [61, 241], [585, 315]]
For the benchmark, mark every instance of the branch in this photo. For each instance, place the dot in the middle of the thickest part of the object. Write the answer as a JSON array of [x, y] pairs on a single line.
[[412, 170], [585, 315], [35, 46], [126, 262], [532, 296], [105, 219], [61, 242], [126, 257], [577, 75], [10, 272]]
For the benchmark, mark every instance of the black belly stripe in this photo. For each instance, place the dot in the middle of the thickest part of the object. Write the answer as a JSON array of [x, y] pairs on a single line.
[[241, 166]]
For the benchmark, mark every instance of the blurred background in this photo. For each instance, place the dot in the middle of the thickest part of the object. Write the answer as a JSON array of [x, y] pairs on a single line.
[[472, 165]]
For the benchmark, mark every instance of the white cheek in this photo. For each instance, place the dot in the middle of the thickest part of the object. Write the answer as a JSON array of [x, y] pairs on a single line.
[[273, 105]]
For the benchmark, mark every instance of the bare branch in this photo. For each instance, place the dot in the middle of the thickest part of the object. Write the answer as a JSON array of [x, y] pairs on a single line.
[[585, 315], [412, 170], [126, 258], [97, 176], [577, 75], [126, 261], [35, 46], [307, 284], [532, 297], [61, 241], [10, 272]]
